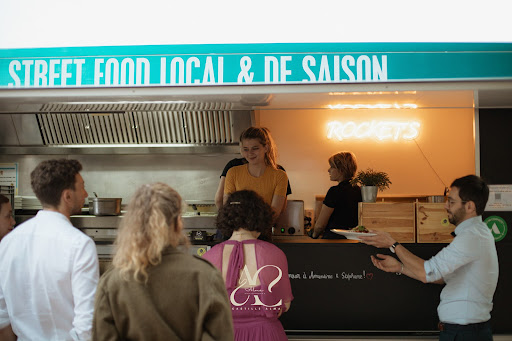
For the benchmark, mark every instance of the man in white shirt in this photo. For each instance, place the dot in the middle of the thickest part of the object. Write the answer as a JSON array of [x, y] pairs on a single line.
[[468, 265], [49, 269]]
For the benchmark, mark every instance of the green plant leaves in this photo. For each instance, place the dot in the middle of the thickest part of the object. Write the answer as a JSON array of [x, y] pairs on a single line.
[[370, 177]]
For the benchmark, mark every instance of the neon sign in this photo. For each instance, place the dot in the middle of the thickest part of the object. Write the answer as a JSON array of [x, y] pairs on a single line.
[[374, 106], [382, 130]]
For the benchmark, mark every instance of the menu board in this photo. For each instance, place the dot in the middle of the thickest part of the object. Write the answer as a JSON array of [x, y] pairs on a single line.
[[337, 288], [338, 291]]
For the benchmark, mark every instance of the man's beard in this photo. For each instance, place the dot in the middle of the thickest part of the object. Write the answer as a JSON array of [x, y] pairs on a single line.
[[457, 216]]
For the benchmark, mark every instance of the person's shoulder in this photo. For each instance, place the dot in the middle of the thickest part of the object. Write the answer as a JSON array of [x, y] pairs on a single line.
[[203, 265], [236, 162], [232, 163], [237, 170], [347, 186], [192, 261], [279, 172], [475, 229], [10, 237], [78, 235], [110, 279], [334, 189], [215, 248], [267, 246]]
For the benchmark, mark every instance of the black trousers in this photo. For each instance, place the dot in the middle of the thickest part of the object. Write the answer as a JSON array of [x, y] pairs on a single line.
[[472, 332]]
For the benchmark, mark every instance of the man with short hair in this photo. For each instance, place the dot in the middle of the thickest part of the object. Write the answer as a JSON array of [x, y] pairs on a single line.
[[468, 265], [49, 269]]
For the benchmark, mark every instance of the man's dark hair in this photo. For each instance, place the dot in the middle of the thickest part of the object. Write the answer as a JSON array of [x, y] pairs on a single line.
[[3, 199], [50, 178], [473, 188], [245, 209]]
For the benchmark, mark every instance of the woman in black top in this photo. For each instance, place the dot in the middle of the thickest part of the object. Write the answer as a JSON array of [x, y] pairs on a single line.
[[339, 209]]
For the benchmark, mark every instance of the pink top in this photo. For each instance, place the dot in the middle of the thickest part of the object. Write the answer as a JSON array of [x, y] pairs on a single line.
[[265, 299]]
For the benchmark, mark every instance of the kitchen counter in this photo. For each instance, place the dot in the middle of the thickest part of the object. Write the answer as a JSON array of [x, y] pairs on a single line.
[[308, 240], [338, 291]]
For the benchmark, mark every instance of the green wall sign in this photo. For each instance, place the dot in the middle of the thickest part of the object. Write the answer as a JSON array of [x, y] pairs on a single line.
[[246, 64], [498, 227]]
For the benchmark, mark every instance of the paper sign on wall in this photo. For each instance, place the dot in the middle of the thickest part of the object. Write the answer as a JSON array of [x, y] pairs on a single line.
[[9, 175], [500, 198]]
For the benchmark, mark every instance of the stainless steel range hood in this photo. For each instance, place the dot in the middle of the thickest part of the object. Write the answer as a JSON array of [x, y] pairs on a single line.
[[125, 128]]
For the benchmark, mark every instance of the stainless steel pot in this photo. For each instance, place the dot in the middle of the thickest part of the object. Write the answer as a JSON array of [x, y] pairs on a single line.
[[105, 206]]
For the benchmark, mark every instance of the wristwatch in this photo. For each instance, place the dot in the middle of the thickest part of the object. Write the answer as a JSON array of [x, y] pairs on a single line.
[[392, 247]]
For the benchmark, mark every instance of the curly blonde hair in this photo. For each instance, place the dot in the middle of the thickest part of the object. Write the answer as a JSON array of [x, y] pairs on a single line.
[[150, 224]]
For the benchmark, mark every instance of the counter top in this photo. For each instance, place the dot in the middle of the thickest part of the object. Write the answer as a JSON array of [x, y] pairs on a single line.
[[308, 240]]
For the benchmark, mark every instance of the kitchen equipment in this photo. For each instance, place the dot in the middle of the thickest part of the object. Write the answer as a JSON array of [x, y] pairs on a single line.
[[200, 216], [291, 220], [200, 236], [104, 206]]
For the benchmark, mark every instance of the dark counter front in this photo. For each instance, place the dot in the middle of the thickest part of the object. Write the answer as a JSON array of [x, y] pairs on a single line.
[[337, 289]]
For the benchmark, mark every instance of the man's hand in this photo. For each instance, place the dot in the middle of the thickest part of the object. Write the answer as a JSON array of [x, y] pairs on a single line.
[[380, 240], [386, 263], [314, 234]]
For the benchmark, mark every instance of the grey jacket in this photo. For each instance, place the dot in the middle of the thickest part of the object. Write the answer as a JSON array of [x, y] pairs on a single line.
[[184, 299]]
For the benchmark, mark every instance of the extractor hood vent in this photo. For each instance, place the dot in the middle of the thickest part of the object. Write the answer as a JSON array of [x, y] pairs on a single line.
[[141, 124], [135, 106]]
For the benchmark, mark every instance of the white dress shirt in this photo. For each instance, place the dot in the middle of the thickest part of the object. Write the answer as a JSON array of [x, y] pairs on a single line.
[[469, 267], [48, 277]]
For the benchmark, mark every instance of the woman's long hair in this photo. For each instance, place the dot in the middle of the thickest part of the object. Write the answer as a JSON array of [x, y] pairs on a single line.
[[148, 227], [263, 135]]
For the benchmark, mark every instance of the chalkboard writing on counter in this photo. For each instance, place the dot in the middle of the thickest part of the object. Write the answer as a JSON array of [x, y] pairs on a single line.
[[336, 288]]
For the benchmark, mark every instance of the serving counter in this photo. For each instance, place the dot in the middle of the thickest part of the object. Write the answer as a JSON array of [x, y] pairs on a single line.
[[308, 240], [338, 291]]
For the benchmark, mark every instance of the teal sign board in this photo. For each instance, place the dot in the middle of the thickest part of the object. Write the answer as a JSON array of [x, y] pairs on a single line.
[[245, 64], [498, 227]]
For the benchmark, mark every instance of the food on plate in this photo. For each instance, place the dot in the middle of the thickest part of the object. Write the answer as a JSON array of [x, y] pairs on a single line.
[[354, 233], [359, 229]]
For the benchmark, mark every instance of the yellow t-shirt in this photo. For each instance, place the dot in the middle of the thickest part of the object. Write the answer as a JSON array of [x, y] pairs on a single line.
[[272, 182]]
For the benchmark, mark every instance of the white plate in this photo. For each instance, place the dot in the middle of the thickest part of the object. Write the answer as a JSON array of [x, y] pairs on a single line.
[[352, 234]]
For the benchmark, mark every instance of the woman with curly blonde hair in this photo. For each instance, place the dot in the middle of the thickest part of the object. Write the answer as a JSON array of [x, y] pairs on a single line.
[[154, 291]]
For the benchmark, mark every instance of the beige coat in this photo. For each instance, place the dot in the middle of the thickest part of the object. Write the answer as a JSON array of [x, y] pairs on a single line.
[[184, 299]]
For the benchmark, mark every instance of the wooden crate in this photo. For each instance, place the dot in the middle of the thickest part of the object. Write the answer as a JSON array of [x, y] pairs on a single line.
[[396, 218], [432, 224]]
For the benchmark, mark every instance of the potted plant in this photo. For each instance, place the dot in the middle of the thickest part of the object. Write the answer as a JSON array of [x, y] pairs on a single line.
[[371, 182]]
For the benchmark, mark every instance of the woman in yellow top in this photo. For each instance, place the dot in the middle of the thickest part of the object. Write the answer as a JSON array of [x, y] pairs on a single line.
[[260, 174]]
